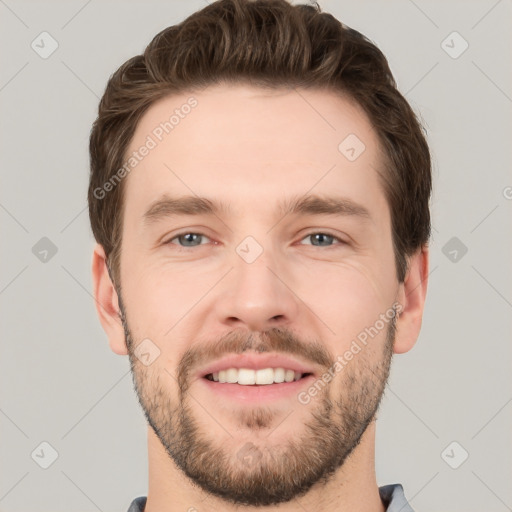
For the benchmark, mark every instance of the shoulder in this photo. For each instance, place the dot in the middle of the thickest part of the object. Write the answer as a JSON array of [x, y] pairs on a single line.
[[138, 504], [394, 499]]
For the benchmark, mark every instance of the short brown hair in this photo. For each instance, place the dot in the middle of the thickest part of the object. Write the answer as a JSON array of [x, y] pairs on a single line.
[[271, 44]]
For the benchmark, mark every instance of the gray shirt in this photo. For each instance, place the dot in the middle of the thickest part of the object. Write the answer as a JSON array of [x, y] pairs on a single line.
[[391, 495]]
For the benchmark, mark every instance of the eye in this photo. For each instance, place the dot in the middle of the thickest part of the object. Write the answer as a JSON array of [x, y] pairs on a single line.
[[319, 239], [191, 239], [187, 239]]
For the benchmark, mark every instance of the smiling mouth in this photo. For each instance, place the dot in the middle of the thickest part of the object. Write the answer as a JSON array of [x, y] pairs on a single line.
[[249, 377]]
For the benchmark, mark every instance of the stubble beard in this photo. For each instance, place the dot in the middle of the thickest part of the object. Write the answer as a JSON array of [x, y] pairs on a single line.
[[257, 473]]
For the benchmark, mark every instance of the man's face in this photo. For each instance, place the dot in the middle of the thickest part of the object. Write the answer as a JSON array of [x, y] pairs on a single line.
[[250, 293]]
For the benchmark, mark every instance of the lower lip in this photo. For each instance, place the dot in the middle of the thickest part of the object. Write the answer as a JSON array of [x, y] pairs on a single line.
[[258, 393]]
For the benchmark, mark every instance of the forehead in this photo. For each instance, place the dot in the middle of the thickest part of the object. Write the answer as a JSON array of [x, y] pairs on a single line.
[[246, 144]]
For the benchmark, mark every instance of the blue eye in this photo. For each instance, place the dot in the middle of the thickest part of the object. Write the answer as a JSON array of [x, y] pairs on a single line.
[[188, 239], [323, 239]]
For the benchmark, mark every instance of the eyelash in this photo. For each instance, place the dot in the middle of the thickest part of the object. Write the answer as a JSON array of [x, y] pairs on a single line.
[[185, 248]]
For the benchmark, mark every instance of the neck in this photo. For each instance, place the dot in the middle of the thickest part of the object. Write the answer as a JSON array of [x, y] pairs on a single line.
[[353, 487]]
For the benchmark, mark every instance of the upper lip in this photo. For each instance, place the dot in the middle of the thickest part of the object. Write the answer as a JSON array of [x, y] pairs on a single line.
[[256, 361]]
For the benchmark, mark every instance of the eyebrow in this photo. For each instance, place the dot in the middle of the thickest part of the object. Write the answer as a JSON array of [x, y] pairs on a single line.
[[166, 207]]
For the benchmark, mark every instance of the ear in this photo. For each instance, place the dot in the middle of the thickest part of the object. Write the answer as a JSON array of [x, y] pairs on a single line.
[[107, 302], [411, 296]]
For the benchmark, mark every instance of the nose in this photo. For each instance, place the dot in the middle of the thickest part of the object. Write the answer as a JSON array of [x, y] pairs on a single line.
[[257, 295]]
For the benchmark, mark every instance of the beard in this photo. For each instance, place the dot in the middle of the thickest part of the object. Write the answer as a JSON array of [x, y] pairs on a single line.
[[254, 473]]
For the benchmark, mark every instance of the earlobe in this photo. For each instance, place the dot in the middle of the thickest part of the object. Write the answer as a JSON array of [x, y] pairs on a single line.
[[412, 299], [107, 302]]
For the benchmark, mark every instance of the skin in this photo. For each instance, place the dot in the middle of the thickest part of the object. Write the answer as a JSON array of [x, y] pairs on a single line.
[[251, 148]]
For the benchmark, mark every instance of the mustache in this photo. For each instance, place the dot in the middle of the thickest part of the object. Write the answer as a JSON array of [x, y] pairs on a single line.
[[237, 342]]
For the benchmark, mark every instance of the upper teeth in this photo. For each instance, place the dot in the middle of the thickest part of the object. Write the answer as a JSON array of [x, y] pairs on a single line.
[[248, 377]]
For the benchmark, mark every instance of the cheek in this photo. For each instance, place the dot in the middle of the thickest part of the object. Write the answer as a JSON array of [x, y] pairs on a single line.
[[348, 297], [162, 299]]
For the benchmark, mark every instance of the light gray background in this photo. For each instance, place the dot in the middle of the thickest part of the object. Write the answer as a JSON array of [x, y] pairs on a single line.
[[60, 383]]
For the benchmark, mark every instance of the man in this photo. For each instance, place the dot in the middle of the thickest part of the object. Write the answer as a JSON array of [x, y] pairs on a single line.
[[259, 193]]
